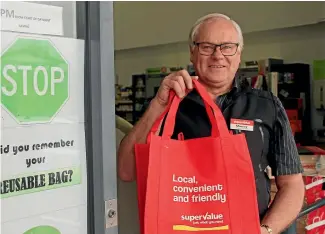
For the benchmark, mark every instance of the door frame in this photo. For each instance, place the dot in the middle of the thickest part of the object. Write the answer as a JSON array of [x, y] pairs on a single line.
[[95, 27]]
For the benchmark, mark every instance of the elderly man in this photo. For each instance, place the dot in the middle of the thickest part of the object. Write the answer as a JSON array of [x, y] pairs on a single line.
[[216, 43]]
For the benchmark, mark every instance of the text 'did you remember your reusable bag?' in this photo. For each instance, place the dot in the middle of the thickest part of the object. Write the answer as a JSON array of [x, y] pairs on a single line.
[[205, 185]]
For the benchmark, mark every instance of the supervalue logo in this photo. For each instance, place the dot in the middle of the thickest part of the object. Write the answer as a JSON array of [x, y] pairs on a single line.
[[34, 80]]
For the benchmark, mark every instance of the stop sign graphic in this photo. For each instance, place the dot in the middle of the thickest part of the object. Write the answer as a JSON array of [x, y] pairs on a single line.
[[34, 80]]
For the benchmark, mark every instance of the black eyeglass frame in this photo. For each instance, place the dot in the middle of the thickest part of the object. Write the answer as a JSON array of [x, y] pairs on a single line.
[[215, 47]]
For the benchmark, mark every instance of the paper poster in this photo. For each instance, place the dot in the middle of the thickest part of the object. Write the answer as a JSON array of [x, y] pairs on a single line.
[[42, 80], [43, 187], [29, 17], [319, 84], [319, 69]]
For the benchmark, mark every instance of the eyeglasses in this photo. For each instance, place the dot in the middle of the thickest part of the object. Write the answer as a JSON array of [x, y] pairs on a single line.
[[227, 49]]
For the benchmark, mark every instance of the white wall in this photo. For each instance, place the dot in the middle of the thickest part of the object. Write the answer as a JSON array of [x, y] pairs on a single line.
[[299, 44], [139, 24]]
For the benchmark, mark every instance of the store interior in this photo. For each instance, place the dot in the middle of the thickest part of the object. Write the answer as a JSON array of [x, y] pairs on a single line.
[[283, 41]]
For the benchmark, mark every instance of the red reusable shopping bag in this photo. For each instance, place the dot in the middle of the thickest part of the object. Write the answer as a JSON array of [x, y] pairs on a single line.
[[142, 163], [205, 184]]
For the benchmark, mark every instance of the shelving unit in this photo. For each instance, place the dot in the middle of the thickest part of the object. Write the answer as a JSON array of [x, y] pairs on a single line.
[[124, 103], [291, 84], [138, 96], [294, 93], [145, 87]]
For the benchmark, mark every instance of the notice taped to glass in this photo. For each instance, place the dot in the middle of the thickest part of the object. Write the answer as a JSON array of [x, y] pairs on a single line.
[[43, 184]]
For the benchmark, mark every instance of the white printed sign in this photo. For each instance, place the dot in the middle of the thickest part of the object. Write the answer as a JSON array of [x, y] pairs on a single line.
[[29, 17], [43, 183]]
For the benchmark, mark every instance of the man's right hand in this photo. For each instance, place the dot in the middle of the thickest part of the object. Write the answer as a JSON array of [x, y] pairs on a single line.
[[178, 81]]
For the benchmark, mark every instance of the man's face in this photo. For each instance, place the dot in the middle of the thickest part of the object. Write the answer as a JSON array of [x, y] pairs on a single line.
[[216, 69]]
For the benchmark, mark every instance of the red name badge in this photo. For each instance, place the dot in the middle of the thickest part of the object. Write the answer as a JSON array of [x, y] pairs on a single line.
[[242, 124]]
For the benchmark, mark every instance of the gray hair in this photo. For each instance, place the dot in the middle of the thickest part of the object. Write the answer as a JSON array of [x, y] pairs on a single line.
[[199, 22]]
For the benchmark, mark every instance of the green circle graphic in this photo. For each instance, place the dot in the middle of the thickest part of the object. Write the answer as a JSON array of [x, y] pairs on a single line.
[[43, 230]]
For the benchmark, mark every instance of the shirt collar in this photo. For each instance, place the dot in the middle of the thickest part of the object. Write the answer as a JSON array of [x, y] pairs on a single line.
[[236, 86], [236, 83]]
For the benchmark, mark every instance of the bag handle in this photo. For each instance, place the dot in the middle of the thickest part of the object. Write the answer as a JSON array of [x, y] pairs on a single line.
[[218, 123], [155, 126], [220, 119]]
